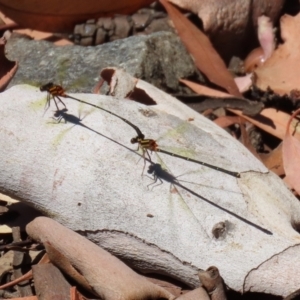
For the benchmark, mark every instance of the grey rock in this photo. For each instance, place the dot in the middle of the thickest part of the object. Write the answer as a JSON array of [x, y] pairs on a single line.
[[86, 41], [159, 58]]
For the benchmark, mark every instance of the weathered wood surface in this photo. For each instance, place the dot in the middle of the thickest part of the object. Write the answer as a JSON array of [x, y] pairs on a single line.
[[89, 179]]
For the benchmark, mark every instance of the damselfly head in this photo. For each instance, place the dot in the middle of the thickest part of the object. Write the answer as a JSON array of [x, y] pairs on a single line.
[[60, 112], [135, 140], [46, 87]]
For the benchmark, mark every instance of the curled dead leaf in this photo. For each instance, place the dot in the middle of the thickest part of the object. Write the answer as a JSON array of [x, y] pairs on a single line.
[[281, 71], [8, 68], [91, 265], [213, 283], [254, 59]]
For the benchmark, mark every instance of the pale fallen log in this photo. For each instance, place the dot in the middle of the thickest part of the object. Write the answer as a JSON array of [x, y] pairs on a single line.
[[88, 179]]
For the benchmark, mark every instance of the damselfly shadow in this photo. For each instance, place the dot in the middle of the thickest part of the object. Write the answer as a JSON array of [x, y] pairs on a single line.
[[160, 174]]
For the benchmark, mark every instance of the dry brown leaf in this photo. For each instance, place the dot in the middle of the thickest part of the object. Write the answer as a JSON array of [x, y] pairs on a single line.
[[291, 157], [253, 60], [199, 46], [26, 298], [42, 35], [35, 34], [226, 121], [273, 160], [243, 82], [10, 26], [8, 68], [196, 294], [281, 71], [75, 295], [53, 16], [269, 120], [4, 19], [175, 290], [91, 266]]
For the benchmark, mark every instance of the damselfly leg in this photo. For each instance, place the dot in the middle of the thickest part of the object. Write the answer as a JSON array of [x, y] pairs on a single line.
[[55, 92]]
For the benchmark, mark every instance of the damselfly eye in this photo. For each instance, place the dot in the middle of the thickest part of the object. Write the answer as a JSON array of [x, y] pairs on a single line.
[[46, 87]]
